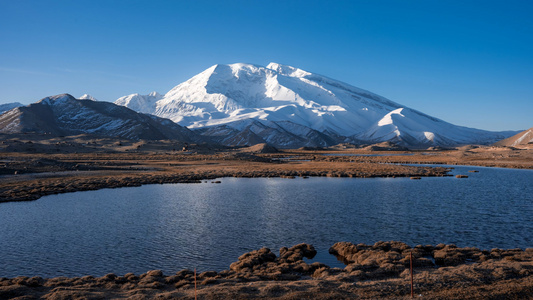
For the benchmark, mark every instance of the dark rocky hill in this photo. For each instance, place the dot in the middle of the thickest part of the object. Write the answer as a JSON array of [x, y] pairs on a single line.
[[64, 115]]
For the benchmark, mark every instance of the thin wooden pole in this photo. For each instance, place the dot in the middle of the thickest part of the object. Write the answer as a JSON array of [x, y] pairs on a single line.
[[195, 294], [412, 289]]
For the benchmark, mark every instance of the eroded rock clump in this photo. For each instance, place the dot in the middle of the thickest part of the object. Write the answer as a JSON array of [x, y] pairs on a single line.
[[263, 264]]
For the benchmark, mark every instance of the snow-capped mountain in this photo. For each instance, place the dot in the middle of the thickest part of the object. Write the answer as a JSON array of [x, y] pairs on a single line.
[[64, 115], [9, 106], [140, 103], [242, 104]]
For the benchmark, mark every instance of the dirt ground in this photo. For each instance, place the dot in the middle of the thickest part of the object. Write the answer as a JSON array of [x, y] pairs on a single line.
[[31, 167]]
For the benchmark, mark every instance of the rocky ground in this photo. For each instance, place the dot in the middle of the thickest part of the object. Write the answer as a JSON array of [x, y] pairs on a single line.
[[379, 271]]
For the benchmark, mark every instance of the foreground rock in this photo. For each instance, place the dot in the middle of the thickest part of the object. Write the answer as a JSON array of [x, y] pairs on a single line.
[[373, 271]]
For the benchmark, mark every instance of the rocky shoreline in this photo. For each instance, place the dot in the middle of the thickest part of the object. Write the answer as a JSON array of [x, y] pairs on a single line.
[[372, 271]]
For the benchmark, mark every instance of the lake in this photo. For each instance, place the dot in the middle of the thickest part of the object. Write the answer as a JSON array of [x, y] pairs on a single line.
[[208, 226], [354, 154]]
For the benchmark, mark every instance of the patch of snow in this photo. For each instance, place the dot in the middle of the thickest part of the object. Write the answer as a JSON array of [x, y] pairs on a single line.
[[430, 136], [523, 139], [387, 119]]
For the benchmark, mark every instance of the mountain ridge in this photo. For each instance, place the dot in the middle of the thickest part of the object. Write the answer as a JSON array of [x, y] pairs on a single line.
[[63, 114], [9, 106]]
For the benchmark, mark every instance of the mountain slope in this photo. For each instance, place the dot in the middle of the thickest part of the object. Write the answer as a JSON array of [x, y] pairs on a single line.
[[521, 139], [64, 115], [409, 127], [251, 132], [300, 109]]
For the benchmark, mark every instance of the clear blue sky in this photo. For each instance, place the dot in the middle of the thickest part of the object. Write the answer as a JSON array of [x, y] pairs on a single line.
[[467, 62]]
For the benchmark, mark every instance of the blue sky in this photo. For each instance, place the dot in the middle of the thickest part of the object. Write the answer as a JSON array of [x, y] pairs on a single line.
[[467, 62]]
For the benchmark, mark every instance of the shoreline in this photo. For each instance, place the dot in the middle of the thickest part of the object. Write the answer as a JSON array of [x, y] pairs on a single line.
[[27, 177], [192, 169], [372, 271]]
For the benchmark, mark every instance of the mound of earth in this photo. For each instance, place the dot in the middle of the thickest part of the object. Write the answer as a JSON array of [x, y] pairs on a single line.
[[467, 147], [439, 148], [385, 146], [344, 146], [260, 148], [524, 138]]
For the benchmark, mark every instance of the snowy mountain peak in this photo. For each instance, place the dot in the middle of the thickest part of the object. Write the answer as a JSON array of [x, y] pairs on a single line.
[[140, 103], [57, 99], [287, 70], [223, 94], [155, 95], [87, 97], [288, 107]]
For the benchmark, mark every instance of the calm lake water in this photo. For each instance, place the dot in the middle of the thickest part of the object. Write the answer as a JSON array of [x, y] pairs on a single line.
[[207, 226], [353, 154]]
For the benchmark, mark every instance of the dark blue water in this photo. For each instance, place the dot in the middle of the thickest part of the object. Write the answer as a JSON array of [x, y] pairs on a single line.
[[353, 154], [207, 226]]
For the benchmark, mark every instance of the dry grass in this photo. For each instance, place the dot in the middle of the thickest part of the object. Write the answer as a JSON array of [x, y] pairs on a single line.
[[379, 271]]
